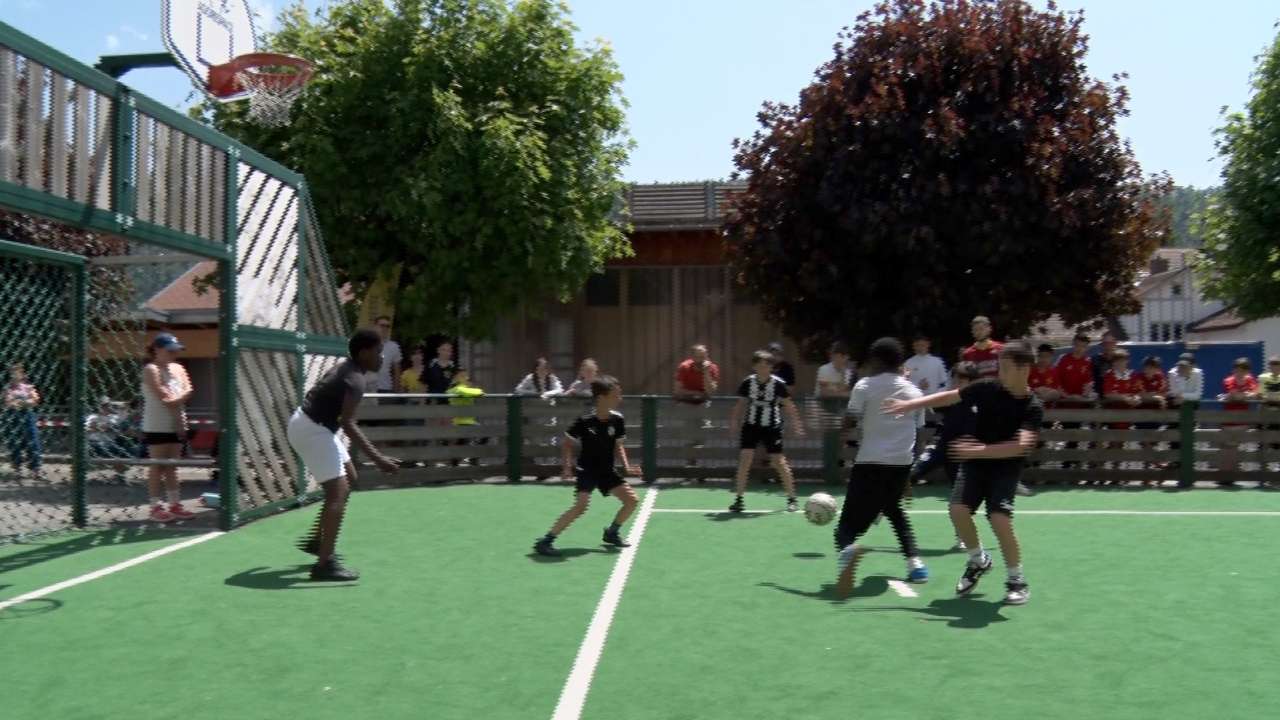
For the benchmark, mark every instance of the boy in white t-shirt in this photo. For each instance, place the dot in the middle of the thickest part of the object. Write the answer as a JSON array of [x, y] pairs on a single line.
[[879, 477], [836, 378], [926, 371]]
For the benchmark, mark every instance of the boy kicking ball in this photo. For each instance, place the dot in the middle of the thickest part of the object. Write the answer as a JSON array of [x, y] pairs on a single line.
[[762, 398], [597, 435], [881, 472], [1007, 419], [332, 404]]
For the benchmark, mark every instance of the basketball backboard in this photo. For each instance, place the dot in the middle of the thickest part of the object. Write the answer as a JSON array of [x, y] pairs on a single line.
[[203, 33]]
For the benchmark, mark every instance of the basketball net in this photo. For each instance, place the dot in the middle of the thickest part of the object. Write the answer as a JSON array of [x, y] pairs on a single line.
[[270, 100]]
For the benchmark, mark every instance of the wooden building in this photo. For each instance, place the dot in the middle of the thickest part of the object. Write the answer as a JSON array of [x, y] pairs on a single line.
[[640, 316]]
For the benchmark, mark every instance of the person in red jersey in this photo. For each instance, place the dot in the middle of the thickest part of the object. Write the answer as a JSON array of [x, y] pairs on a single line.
[[1075, 375], [1239, 393], [1155, 394], [1043, 379], [1104, 361], [984, 352], [1121, 390]]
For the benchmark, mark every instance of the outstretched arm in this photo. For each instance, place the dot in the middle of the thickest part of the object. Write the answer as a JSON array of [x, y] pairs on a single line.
[[894, 406]]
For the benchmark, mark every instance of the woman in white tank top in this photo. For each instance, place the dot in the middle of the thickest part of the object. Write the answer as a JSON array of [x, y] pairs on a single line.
[[165, 391]]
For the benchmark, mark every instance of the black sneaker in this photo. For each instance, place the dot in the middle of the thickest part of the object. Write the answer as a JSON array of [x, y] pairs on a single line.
[[973, 572], [737, 506], [611, 537], [545, 547], [333, 571], [792, 505], [1016, 592]]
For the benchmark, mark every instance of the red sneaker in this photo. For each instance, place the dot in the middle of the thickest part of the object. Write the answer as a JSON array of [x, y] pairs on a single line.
[[179, 513], [159, 514]]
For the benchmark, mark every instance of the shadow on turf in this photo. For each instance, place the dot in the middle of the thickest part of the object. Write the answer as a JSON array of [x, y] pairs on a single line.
[[966, 613], [294, 578], [51, 547], [567, 553], [37, 606]]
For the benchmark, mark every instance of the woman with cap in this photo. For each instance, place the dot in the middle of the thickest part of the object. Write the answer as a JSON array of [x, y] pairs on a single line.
[[166, 388]]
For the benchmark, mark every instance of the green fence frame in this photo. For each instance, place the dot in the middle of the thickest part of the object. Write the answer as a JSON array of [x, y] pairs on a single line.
[[122, 220]]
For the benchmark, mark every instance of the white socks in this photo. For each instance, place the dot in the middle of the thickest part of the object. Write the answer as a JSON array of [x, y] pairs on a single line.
[[1015, 572], [976, 554], [914, 563]]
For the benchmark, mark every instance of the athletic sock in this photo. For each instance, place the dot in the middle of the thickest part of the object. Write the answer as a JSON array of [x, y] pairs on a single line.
[[174, 498], [914, 563], [1015, 572], [976, 554]]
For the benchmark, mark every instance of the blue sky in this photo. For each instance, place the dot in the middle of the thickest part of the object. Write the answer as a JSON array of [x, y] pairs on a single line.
[[697, 70]]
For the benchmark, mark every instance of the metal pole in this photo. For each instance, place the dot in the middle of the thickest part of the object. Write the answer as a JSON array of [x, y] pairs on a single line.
[[830, 440], [301, 382], [649, 438], [1187, 435], [515, 438], [228, 354], [79, 388]]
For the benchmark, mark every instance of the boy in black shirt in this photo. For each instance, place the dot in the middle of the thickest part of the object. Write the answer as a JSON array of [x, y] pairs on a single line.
[[763, 396], [1007, 418], [597, 435], [955, 423], [332, 404]]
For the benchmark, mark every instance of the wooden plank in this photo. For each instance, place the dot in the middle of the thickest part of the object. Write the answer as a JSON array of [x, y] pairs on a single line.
[[142, 167], [59, 141], [160, 174], [261, 398], [8, 115], [1098, 456], [1236, 435], [1103, 435], [369, 477], [80, 144], [172, 180], [374, 410], [33, 123], [217, 200], [1105, 415], [1251, 416], [100, 174], [380, 433], [1075, 475], [446, 452]]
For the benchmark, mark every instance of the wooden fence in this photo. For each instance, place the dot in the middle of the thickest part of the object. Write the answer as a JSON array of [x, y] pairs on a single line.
[[520, 437]]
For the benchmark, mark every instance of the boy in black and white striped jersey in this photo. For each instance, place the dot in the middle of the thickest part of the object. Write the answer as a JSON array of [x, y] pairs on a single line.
[[762, 398]]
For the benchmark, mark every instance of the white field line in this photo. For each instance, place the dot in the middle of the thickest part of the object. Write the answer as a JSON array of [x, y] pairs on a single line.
[[1019, 513], [902, 589], [56, 587], [574, 695]]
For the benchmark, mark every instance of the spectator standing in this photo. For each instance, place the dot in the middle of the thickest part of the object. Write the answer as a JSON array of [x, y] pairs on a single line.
[[22, 433], [697, 378], [1043, 378], [1121, 389], [411, 377], [984, 352], [439, 373], [1186, 382], [1103, 362], [924, 370], [387, 379], [782, 368], [541, 382], [588, 372], [1239, 392], [166, 388], [1075, 375], [837, 376]]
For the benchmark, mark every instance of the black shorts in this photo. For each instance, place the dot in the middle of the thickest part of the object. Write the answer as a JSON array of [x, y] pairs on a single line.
[[995, 486], [605, 482], [753, 436], [161, 439]]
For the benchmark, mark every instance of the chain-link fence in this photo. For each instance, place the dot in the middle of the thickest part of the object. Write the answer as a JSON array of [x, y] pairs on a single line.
[[119, 220]]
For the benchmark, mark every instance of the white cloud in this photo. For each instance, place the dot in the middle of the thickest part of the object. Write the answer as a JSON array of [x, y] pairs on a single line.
[[134, 33], [113, 41]]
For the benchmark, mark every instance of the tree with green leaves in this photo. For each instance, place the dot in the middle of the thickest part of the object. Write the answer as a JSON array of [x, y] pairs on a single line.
[[1241, 262], [952, 159], [472, 141], [1186, 205]]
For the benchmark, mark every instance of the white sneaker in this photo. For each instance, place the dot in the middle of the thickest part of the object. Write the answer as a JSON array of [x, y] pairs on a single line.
[[1016, 592], [847, 565], [959, 545]]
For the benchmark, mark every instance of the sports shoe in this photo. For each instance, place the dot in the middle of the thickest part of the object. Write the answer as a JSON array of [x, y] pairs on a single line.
[[847, 563], [792, 505], [1024, 491], [959, 545], [544, 546], [973, 572], [919, 575], [160, 514], [333, 570], [1016, 592], [611, 537], [737, 506], [179, 512]]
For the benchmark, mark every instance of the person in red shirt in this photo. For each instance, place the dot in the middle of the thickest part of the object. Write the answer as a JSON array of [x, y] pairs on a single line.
[[984, 352], [1155, 384], [1043, 379], [1121, 389], [1239, 392], [1075, 375], [697, 378]]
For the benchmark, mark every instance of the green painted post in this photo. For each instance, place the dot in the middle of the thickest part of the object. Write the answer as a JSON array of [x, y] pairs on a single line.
[[229, 353], [300, 482], [124, 199], [515, 438], [649, 438], [79, 389], [1187, 437], [830, 440]]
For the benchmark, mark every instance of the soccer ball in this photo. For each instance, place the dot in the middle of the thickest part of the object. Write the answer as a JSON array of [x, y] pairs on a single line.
[[820, 508]]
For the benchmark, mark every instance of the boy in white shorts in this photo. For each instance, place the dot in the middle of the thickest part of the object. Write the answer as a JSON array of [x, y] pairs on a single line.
[[331, 404]]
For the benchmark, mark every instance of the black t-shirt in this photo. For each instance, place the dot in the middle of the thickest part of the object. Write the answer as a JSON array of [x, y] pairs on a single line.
[[324, 400], [596, 440], [957, 421], [785, 371], [438, 377], [763, 400], [998, 416]]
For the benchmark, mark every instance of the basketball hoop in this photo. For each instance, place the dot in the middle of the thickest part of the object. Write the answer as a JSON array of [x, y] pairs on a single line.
[[273, 81]]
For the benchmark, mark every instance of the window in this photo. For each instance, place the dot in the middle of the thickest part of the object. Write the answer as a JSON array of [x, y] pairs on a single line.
[[1154, 334], [649, 286], [1177, 331], [1176, 290], [604, 289]]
